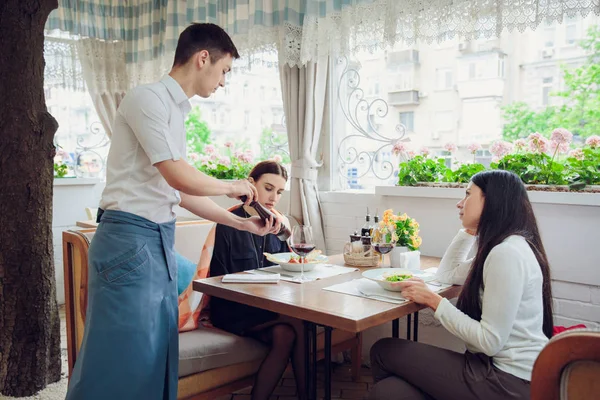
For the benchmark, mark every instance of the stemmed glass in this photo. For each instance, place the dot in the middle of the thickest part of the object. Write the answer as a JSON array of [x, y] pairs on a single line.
[[301, 243], [383, 241]]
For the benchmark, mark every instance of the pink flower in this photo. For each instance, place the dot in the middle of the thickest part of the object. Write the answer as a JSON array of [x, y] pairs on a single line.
[[399, 148], [561, 136], [246, 157], [194, 157], [501, 148], [474, 147], [411, 154], [225, 161], [538, 143], [210, 149], [214, 157], [520, 144], [425, 151], [277, 158], [228, 144], [576, 153], [237, 154], [450, 147], [593, 141], [562, 147]]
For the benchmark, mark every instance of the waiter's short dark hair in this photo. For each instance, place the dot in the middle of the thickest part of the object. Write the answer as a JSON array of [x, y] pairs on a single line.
[[205, 36]]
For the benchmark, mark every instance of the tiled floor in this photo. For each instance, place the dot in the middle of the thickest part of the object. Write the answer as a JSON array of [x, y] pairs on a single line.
[[342, 385]]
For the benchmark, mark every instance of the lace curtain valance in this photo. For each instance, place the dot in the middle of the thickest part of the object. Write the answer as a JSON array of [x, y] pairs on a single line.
[[299, 30]]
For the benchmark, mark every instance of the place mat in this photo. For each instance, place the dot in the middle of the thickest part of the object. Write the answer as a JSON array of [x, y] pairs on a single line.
[[320, 271], [249, 278], [368, 289]]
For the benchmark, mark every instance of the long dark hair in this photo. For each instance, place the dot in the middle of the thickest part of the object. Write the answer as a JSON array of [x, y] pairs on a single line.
[[268, 167], [506, 211]]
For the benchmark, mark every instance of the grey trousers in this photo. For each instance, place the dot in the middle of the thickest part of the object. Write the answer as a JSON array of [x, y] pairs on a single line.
[[406, 370]]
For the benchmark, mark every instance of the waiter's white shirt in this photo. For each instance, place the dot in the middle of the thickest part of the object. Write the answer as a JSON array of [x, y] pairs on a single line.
[[149, 128]]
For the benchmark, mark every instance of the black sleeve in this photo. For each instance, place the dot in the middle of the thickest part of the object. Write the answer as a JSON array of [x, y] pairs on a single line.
[[220, 258]]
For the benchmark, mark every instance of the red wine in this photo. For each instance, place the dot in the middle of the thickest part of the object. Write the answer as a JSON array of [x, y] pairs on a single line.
[[383, 248], [264, 213], [302, 249]]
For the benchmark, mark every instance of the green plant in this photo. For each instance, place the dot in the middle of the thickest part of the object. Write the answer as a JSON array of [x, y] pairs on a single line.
[[533, 168], [60, 170], [463, 173], [584, 167], [233, 164], [421, 169], [197, 132]]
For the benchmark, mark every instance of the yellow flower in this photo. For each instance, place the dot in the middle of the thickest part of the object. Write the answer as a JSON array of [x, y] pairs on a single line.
[[414, 223], [387, 214], [403, 217], [416, 242]]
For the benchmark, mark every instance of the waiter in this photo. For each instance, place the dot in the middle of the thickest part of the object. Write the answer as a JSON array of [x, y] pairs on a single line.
[[130, 347]]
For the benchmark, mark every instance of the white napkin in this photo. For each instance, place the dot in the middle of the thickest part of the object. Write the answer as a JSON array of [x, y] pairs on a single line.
[[250, 278], [370, 288]]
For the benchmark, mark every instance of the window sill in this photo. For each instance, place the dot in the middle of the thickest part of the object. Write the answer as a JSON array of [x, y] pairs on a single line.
[[77, 181], [535, 196]]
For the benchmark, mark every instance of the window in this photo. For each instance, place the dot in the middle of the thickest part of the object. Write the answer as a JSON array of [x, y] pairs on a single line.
[[571, 30], [250, 117], [546, 89], [473, 70], [549, 33], [408, 120], [444, 79], [458, 96], [81, 141], [501, 67]]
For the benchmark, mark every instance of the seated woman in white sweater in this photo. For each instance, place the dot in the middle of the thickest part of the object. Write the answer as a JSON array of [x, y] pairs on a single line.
[[503, 314]]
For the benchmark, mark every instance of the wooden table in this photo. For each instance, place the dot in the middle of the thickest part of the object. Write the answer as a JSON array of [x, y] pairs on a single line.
[[309, 302]]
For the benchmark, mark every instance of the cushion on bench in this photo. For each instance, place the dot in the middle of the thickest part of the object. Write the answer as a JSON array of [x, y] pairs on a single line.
[[207, 348]]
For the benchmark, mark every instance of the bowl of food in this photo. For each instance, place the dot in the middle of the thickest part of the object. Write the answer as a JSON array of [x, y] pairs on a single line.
[[391, 278], [291, 261]]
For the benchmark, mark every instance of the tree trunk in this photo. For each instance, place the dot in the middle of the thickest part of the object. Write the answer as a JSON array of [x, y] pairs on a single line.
[[29, 322]]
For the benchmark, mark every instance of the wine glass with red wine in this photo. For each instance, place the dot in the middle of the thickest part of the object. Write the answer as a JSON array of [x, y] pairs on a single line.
[[383, 240], [302, 243]]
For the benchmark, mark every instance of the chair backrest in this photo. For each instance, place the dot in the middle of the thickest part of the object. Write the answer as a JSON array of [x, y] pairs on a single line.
[[91, 213], [568, 368], [189, 238]]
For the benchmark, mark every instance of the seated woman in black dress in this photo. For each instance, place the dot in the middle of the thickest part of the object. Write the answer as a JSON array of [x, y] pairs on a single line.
[[237, 251]]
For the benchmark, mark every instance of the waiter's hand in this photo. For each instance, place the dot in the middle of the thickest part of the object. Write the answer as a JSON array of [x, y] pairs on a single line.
[[243, 188], [257, 226]]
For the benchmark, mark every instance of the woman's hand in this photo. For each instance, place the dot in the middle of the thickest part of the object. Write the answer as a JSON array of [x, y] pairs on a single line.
[[416, 290], [256, 225]]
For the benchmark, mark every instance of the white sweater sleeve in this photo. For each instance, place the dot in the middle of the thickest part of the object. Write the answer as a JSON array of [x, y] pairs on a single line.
[[455, 266], [503, 280]]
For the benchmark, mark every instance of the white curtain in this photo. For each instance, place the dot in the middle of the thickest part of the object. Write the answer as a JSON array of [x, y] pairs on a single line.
[[105, 74], [304, 93]]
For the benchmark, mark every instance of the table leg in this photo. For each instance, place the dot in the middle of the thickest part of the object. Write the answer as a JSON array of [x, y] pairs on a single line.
[[313, 377], [408, 318], [396, 328], [307, 356], [327, 394], [416, 327]]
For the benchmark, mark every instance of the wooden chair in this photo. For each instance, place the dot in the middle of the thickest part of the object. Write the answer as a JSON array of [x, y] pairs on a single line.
[[568, 368]]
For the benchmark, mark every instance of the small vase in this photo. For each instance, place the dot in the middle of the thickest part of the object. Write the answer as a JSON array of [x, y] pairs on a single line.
[[402, 257]]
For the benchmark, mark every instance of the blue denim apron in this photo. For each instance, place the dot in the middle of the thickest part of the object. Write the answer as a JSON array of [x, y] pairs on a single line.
[[130, 347]]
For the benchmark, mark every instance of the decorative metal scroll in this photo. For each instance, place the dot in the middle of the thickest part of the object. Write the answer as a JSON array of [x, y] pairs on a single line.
[[360, 112]]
